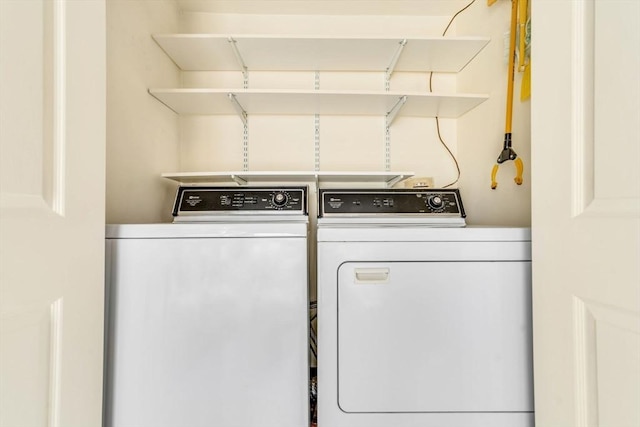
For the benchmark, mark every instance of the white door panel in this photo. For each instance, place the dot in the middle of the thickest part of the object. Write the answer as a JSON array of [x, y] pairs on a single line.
[[52, 136], [434, 337], [586, 212]]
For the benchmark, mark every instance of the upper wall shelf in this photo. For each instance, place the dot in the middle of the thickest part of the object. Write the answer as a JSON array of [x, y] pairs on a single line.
[[216, 52]]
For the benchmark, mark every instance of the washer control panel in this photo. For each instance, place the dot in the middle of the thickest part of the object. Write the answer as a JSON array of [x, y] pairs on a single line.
[[240, 200], [399, 202]]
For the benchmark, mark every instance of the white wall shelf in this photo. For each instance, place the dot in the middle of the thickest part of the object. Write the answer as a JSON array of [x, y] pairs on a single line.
[[388, 179], [219, 102], [246, 53], [215, 52]]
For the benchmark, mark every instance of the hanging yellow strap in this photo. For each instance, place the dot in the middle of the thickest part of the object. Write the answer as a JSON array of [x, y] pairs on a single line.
[[524, 62], [525, 88], [523, 7]]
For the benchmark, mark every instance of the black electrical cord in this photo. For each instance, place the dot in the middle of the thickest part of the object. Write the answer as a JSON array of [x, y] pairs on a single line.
[[455, 161], [456, 15], [450, 153]]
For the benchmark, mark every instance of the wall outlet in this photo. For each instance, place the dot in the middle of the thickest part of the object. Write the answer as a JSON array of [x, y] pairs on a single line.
[[419, 182]]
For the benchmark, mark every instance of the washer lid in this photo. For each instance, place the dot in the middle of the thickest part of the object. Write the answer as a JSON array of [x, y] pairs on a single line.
[[297, 227]]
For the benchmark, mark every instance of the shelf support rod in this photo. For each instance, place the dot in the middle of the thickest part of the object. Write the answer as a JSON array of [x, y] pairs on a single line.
[[236, 51], [316, 130], [396, 57], [241, 112], [391, 115]]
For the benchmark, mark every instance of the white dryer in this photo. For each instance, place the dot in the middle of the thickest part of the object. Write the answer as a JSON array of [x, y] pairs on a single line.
[[207, 317], [422, 322]]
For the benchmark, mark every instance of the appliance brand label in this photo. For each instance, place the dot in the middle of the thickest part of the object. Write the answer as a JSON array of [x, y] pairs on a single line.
[[193, 200], [335, 202]]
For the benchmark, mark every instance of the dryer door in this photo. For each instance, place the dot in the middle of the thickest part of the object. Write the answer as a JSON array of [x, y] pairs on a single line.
[[434, 337]]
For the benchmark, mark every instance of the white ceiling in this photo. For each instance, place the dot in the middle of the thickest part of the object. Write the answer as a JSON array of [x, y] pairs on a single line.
[[326, 7]]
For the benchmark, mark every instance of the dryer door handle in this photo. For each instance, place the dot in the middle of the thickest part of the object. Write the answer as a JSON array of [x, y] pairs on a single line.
[[371, 276]]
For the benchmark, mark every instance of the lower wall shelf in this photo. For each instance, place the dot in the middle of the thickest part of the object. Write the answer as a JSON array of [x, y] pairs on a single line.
[[387, 179], [226, 101]]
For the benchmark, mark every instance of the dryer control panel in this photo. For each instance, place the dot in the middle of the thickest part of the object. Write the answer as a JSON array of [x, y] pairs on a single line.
[[204, 201], [392, 202]]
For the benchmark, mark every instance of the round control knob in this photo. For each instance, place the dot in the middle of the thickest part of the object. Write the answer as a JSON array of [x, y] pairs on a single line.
[[280, 199], [435, 202]]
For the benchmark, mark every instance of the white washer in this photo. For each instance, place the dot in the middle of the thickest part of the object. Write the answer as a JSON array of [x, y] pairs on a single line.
[[208, 321], [421, 326]]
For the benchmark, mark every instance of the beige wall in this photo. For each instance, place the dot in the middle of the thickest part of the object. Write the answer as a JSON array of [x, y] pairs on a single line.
[[144, 139], [142, 134]]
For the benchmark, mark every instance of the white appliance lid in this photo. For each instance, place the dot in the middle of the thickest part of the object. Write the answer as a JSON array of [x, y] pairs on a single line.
[[411, 232], [294, 227]]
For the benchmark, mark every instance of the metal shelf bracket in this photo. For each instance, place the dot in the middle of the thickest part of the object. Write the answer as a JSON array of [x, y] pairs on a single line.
[[238, 180], [391, 115], [390, 183], [236, 51], [396, 57], [241, 112]]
